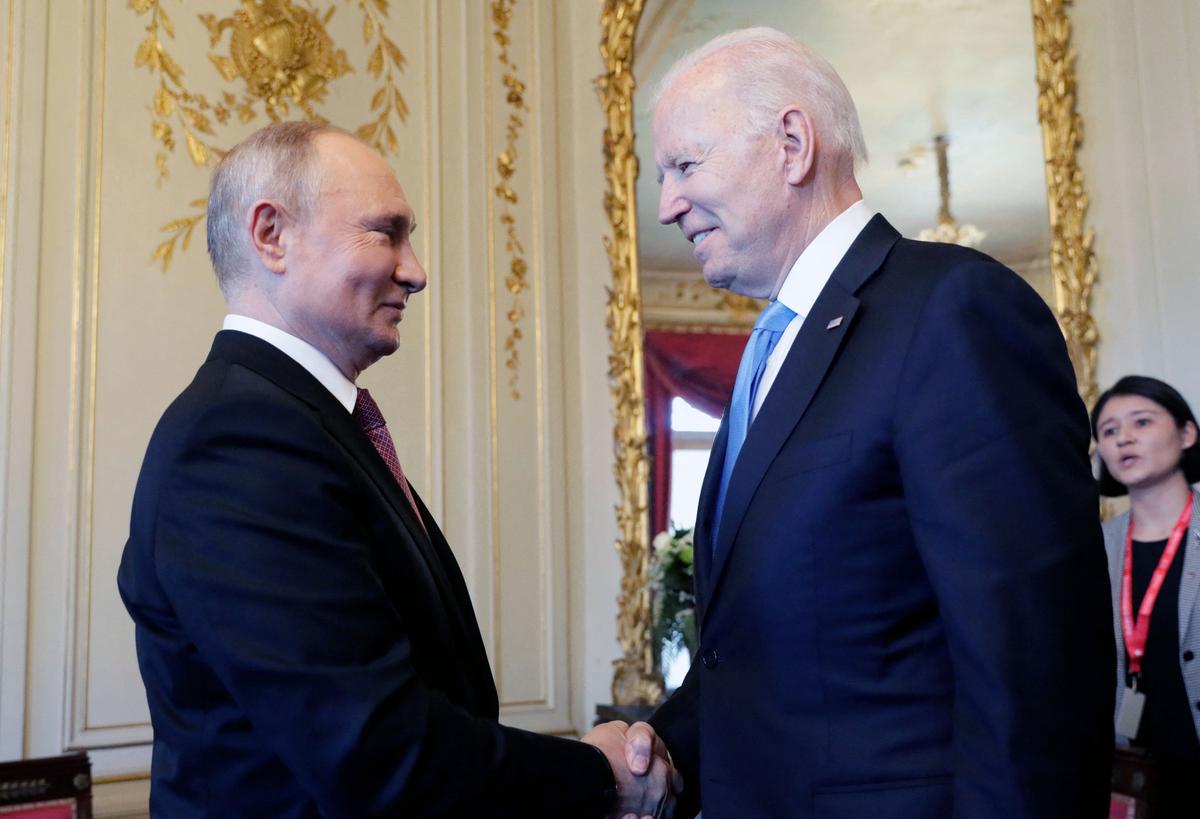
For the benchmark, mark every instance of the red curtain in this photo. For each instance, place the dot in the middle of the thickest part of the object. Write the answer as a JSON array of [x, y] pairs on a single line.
[[700, 368]]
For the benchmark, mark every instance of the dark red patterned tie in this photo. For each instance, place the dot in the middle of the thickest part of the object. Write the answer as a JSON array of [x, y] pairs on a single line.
[[367, 413]]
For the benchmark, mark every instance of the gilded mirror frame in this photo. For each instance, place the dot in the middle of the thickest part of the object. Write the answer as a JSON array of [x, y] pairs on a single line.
[[1073, 266]]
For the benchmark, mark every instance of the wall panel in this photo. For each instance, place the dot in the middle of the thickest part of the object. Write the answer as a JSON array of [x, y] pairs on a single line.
[[1140, 98], [14, 380]]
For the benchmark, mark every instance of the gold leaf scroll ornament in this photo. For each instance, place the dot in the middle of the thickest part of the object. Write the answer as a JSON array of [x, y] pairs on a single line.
[[506, 168]]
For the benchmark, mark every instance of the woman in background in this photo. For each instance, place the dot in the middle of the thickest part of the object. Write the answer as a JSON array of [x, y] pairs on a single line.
[[1146, 436]]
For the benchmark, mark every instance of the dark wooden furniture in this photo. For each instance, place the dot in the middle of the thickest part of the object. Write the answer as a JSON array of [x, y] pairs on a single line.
[[625, 713], [1132, 785], [58, 787]]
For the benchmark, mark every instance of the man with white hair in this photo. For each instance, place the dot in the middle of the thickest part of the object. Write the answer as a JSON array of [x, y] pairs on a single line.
[[900, 578], [306, 639]]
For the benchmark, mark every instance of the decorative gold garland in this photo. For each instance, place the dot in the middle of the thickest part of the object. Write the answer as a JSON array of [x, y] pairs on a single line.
[[171, 98], [385, 62], [634, 679], [286, 57], [506, 166], [1072, 259]]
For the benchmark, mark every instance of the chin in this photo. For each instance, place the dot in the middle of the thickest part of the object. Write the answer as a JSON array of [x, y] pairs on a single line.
[[385, 345], [719, 279]]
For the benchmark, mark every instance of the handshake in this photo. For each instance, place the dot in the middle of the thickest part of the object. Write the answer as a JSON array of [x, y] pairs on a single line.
[[646, 781]]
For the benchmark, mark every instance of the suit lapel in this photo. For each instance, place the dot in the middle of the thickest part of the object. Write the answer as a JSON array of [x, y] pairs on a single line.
[[704, 536], [275, 365], [345, 429], [1189, 584], [822, 334], [475, 663]]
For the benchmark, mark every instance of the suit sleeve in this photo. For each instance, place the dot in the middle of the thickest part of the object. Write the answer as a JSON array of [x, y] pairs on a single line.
[[260, 545], [676, 721], [992, 443]]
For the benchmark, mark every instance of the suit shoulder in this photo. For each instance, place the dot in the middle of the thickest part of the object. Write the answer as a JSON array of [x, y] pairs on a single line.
[[221, 388], [228, 405], [1115, 529], [942, 252], [962, 274], [935, 261]]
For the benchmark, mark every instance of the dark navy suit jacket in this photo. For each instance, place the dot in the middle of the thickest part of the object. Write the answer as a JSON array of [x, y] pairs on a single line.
[[307, 649], [905, 614]]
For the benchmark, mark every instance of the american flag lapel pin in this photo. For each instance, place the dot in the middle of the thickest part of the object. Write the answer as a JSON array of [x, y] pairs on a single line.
[[837, 322]]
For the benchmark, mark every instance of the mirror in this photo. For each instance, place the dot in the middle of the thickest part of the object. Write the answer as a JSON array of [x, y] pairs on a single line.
[[968, 108]]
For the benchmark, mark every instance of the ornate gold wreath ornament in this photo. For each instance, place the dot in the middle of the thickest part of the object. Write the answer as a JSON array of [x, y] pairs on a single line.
[[283, 53], [506, 167]]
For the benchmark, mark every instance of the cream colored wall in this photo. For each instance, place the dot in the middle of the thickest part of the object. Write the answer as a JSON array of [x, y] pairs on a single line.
[[595, 570], [1140, 97], [95, 339]]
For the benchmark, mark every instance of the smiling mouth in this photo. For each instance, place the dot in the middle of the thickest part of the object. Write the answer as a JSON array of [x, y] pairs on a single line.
[[697, 238], [1127, 460]]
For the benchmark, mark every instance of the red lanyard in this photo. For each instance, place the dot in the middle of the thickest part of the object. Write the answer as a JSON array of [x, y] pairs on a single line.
[[1135, 632]]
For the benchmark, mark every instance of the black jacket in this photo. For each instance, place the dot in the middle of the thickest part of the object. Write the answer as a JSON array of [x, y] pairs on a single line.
[[307, 649]]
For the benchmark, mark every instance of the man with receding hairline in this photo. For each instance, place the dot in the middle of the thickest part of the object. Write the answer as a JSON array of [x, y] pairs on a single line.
[[304, 633], [900, 581]]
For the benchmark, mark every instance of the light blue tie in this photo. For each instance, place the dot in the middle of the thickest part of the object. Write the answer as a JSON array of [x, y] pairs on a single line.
[[767, 330]]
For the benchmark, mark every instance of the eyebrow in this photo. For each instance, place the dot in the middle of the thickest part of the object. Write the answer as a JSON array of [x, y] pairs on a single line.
[[687, 153], [670, 162], [1134, 414], [404, 223]]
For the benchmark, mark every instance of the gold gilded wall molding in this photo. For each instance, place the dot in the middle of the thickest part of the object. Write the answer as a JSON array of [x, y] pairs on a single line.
[[517, 279], [1072, 259], [634, 678], [282, 52], [680, 300]]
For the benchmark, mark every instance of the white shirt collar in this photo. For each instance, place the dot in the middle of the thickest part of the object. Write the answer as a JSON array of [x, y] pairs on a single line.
[[304, 354], [816, 264]]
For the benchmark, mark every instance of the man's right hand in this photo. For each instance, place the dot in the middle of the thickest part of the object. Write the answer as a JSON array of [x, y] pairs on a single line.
[[646, 782]]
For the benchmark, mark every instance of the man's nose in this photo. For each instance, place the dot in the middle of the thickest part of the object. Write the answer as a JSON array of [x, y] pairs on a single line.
[[671, 205], [409, 271]]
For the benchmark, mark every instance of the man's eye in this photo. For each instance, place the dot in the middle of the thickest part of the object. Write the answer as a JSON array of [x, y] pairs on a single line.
[[685, 167]]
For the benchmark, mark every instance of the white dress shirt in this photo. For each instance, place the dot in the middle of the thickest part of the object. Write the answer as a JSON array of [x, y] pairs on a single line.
[[804, 283], [303, 353]]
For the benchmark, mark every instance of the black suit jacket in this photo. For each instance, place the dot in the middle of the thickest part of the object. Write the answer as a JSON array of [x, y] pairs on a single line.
[[905, 613], [307, 649]]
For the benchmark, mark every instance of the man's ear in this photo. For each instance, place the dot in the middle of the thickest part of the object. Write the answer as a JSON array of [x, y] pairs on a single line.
[[799, 146], [266, 221]]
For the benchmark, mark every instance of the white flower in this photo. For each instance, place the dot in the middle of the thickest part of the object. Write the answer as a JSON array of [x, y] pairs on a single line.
[[662, 542]]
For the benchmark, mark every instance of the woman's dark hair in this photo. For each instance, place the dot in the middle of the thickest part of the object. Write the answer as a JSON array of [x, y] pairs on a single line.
[[1165, 396]]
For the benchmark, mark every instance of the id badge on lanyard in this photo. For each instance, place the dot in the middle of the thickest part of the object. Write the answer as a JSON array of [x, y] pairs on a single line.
[[1136, 631]]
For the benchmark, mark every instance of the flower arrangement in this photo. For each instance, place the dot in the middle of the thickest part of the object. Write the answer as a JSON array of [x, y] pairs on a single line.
[[671, 577]]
